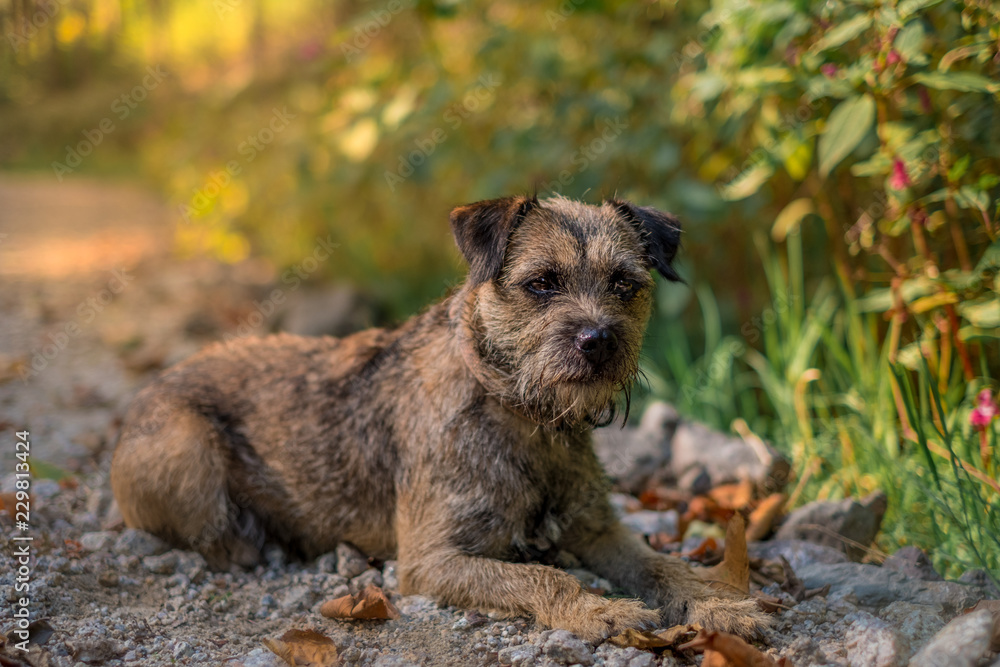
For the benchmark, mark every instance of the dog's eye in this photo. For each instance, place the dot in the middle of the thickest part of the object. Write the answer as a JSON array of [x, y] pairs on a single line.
[[543, 285], [623, 287]]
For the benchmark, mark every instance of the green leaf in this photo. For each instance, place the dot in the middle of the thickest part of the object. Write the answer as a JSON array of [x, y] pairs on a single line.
[[908, 7], [970, 197], [990, 259], [958, 169], [748, 182], [909, 43], [961, 53], [983, 313], [843, 33], [966, 82], [790, 217], [847, 126]]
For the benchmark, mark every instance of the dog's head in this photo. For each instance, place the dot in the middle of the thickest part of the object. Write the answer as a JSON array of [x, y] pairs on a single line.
[[560, 293]]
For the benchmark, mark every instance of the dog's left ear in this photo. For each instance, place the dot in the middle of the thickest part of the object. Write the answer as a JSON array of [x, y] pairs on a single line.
[[661, 232], [483, 230]]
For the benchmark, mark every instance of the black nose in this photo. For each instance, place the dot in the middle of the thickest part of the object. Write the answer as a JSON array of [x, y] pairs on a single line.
[[597, 344]]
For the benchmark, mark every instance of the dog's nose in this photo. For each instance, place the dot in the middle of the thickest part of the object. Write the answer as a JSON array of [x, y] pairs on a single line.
[[597, 344]]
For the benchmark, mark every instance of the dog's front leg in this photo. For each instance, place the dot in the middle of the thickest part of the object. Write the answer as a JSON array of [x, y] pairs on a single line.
[[663, 582], [554, 598]]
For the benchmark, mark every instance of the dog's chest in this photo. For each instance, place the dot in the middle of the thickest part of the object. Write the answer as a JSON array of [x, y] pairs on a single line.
[[557, 493]]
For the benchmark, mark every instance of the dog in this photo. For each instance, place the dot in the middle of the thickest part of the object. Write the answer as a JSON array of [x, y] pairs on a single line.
[[458, 443]]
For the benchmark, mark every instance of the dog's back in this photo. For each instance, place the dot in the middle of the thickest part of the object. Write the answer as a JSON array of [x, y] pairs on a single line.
[[204, 457]]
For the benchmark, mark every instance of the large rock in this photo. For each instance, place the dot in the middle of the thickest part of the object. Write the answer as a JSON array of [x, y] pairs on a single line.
[[664, 448], [912, 562], [839, 525], [877, 587], [334, 311], [798, 553], [962, 643]]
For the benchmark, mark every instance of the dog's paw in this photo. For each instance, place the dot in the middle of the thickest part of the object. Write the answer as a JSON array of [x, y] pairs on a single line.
[[736, 616], [594, 618]]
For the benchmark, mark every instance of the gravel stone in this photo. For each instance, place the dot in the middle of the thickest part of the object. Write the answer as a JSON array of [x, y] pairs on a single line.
[[518, 656], [182, 650], [565, 648], [962, 643], [369, 576], [327, 563], [162, 564], [350, 561], [139, 543], [917, 622], [296, 598], [871, 642], [97, 541]]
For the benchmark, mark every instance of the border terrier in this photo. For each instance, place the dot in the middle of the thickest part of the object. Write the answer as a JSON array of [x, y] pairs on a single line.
[[458, 443]]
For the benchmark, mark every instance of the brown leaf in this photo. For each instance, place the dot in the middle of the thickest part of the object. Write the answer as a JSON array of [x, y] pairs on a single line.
[[678, 634], [655, 641], [305, 648], [725, 650], [707, 550], [734, 570], [764, 515], [992, 606], [768, 603], [733, 496], [792, 584], [369, 604], [639, 639]]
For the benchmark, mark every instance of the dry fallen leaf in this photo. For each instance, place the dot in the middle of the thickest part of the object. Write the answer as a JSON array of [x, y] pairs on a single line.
[[764, 516], [725, 650], [992, 606], [369, 604], [655, 641], [638, 639], [734, 570], [305, 648], [733, 496], [705, 551]]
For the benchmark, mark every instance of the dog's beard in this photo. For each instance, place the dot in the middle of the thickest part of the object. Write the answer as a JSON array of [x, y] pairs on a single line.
[[556, 387]]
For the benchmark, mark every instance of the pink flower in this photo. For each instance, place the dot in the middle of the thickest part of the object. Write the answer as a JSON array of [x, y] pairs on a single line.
[[899, 179], [985, 412], [925, 99], [892, 57], [829, 69]]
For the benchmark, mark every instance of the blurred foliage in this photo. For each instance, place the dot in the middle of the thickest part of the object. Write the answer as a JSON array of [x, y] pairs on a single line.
[[854, 147]]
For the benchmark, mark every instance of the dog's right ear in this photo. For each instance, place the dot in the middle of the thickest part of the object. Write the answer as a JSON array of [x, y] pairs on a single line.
[[483, 230]]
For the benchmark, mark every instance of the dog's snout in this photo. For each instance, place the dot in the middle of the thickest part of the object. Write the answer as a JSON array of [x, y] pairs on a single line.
[[598, 344]]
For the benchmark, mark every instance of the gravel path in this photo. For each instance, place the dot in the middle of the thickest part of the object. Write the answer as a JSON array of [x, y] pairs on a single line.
[[97, 307]]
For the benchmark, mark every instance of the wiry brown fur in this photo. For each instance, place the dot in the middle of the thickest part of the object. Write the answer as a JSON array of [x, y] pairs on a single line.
[[458, 443]]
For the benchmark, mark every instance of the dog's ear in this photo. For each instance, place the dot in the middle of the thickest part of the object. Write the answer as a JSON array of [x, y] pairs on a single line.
[[482, 231], [661, 232]]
